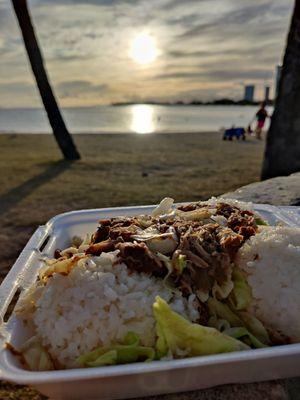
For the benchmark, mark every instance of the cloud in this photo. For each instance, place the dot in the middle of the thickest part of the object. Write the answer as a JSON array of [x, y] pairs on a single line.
[[173, 4], [90, 2], [262, 52], [180, 75], [18, 94], [188, 54], [76, 88], [236, 18], [233, 75], [185, 20], [202, 44], [217, 74], [15, 87]]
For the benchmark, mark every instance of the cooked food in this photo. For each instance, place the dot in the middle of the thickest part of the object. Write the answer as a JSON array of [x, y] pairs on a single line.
[[173, 284]]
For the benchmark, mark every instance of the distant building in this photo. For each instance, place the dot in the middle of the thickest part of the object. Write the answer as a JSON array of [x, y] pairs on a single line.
[[249, 93], [267, 94], [277, 79]]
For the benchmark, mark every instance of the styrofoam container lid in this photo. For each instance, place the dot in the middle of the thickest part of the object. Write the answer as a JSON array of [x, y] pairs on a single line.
[[139, 379]]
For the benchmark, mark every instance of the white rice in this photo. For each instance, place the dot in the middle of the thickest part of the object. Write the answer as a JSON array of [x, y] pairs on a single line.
[[96, 305], [272, 261]]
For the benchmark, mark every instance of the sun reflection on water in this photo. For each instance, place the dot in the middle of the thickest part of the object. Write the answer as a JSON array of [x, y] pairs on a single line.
[[142, 119]]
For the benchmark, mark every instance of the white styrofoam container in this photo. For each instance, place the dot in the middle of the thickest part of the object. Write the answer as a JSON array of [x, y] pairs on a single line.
[[139, 379]]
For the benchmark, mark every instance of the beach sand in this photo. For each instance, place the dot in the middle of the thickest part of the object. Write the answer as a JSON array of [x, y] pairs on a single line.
[[115, 170]]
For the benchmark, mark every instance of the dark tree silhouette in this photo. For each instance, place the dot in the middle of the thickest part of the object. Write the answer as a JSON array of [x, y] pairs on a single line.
[[282, 155], [60, 131]]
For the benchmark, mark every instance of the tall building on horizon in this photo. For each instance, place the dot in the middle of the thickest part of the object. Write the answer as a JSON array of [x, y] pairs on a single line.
[[249, 93]]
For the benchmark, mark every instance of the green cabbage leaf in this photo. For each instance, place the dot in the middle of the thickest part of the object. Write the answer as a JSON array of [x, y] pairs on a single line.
[[255, 327], [242, 333], [221, 314], [223, 311], [241, 295], [128, 352], [260, 221], [181, 338]]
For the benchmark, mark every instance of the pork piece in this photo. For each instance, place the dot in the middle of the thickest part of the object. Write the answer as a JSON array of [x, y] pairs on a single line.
[[182, 227], [209, 251], [226, 209], [246, 231], [203, 312], [123, 232], [114, 228], [193, 206], [188, 207], [230, 241], [122, 221], [240, 221], [208, 248], [97, 248], [101, 233], [138, 257], [57, 254]]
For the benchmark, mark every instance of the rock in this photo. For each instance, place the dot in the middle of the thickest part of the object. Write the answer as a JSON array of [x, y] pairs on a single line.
[[283, 190]]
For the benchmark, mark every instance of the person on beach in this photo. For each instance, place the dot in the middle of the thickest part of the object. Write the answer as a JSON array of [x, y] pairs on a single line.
[[261, 117]]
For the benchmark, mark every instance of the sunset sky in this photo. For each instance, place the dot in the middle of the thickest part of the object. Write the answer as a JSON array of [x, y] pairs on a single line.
[[196, 49]]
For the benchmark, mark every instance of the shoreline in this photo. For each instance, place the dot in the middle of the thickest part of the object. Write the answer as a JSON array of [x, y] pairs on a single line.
[[5, 133]]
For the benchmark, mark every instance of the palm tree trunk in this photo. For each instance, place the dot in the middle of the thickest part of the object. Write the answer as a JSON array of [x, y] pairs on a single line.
[[282, 155], [60, 131]]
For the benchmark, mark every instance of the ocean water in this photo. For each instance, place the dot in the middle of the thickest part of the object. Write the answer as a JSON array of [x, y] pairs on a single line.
[[140, 118]]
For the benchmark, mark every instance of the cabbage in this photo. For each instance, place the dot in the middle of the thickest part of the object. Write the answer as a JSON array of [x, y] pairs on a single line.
[[218, 323], [164, 243], [144, 221], [255, 326], [223, 311], [60, 266], [179, 337], [128, 352], [108, 358], [241, 295], [239, 300], [243, 334], [260, 221], [199, 214], [35, 356], [164, 207], [179, 262], [168, 281], [162, 348], [222, 291], [176, 265]]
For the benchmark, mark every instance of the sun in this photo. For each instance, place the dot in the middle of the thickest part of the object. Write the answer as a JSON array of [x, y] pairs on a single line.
[[143, 49]]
